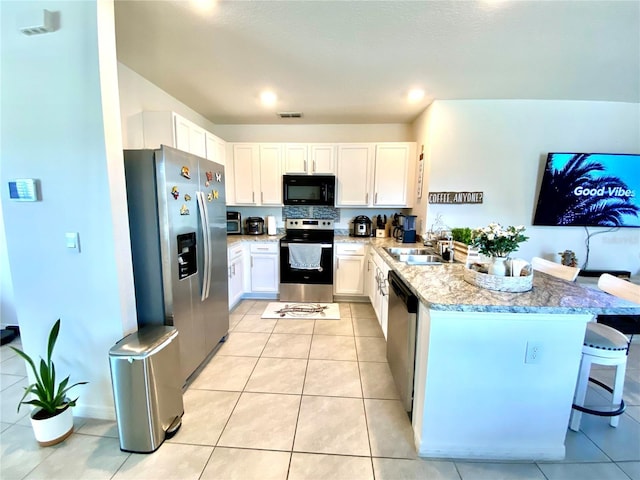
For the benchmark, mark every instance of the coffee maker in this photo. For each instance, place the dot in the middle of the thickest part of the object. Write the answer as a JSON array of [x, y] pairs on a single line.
[[409, 229], [405, 231]]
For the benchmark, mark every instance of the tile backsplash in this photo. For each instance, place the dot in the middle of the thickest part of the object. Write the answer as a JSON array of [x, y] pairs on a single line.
[[320, 212]]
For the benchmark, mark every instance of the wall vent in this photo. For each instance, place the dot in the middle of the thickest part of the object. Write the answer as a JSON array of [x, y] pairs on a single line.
[[289, 114]]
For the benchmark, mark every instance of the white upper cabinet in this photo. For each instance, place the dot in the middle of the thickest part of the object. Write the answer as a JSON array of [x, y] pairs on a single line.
[[242, 168], [169, 128], [393, 174], [309, 159], [375, 175], [322, 159], [255, 174], [353, 174], [270, 174], [367, 174], [216, 148], [296, 158]]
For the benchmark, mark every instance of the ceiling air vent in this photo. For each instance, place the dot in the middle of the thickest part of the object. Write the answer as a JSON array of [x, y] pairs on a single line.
[[289, 114]]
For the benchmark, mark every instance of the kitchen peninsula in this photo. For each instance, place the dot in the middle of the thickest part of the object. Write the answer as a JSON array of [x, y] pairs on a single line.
[[478, 393]]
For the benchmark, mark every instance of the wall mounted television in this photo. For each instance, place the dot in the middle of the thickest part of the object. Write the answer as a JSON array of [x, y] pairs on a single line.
[[590, 190]]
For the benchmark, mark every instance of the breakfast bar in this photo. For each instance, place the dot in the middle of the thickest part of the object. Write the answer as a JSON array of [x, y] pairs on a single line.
[[495, 372]]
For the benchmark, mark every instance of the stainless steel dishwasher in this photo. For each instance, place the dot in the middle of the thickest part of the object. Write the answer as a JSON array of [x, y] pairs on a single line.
[[401, 337]]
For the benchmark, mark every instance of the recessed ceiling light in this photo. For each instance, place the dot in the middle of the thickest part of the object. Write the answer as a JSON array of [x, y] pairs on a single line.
[[415, 95], [204, 6], [268, 98]]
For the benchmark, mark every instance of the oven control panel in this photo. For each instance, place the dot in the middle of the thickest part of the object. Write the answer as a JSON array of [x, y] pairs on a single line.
[[308, 224]]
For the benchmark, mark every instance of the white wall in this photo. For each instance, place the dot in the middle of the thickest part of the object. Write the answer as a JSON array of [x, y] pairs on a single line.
[[390, 132], [7, 303], [137, 95], [56, 129], [499, 147]]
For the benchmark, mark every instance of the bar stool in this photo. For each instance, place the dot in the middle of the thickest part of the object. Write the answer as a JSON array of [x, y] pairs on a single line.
[[604, 345], [556, 269]]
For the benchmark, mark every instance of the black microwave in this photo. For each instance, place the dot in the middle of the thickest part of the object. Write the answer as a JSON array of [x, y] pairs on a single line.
[[309, 190]]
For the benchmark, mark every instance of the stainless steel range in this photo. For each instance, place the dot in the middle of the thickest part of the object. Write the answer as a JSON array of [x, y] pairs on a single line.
[[306, 261]]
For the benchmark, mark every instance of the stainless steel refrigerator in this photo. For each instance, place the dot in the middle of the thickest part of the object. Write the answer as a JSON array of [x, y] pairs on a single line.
[[177, 219]]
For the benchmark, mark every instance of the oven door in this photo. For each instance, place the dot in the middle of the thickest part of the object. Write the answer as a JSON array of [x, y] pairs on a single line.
[[289, 274]]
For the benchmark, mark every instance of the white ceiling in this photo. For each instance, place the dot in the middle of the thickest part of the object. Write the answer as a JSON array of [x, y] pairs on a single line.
[[354, 61]]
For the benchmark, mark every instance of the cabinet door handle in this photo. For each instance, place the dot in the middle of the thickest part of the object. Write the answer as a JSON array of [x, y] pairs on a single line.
[[234, 268], [314, 166], [375, 200], [337, 263], [261, 197], [367, 198], [305, 165], [253, 197]]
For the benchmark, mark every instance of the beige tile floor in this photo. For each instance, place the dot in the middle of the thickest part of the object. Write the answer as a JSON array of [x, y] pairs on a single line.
[[299, 399]]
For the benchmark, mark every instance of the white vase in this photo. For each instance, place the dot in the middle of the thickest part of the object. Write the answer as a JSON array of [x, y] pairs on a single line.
[[52, 430], [498, 266]]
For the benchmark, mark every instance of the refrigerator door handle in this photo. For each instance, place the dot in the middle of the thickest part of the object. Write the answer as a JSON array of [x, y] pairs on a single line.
[[202, 204], [209, 270]]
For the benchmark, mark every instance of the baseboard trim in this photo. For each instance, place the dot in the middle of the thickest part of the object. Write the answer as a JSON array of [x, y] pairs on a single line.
[[477, 452], [100, 413]]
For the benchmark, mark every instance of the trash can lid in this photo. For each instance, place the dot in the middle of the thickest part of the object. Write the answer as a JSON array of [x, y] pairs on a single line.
[[144, 341]]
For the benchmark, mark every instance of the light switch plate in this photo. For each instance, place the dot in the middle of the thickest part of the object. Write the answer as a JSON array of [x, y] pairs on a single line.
[[72, 241]]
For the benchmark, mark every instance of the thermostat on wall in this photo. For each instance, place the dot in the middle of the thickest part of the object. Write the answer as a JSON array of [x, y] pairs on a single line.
[[24, 190]]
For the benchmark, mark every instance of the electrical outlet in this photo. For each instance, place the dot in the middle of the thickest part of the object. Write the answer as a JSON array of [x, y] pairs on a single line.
[[534, 352]]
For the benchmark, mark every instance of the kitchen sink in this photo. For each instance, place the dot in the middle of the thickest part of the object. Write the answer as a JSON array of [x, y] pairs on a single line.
[[408, 251], [414, 256], [423, 260]]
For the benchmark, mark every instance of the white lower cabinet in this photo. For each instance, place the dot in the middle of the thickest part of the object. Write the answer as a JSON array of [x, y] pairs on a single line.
[[349, 269], [264, 267], [235, 274], [379, 288]]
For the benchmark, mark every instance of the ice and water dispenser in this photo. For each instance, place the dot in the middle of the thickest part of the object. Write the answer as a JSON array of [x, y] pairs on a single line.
[[187, 258]]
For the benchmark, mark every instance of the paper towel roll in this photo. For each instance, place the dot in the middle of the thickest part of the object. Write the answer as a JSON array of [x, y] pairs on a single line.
[[517, 264], [271, 225]]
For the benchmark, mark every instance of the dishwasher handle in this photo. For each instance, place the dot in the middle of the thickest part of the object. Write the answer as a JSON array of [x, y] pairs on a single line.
[[403, 292]]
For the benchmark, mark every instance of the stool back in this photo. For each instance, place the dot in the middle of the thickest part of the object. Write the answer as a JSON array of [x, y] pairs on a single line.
[[619, 287], [555, 269]]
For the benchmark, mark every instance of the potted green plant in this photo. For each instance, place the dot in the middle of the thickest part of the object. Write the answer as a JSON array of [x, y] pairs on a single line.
[[462, 235], [52, 420], [462, 240]]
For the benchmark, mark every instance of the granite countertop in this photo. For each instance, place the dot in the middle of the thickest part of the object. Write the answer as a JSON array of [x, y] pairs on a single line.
[[442, 287], [233, 239]]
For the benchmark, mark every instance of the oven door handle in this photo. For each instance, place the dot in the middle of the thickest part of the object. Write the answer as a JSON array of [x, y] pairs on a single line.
[[324, 245]]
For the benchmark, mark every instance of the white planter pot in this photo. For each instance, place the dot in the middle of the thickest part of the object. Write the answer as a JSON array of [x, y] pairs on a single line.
[[54, 429], [498, 266]]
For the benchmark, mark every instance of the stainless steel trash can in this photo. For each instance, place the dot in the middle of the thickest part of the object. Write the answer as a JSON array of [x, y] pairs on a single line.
[[147, 387]]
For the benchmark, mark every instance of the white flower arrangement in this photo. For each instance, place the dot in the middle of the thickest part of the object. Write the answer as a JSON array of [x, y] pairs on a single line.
[[496, 241]]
